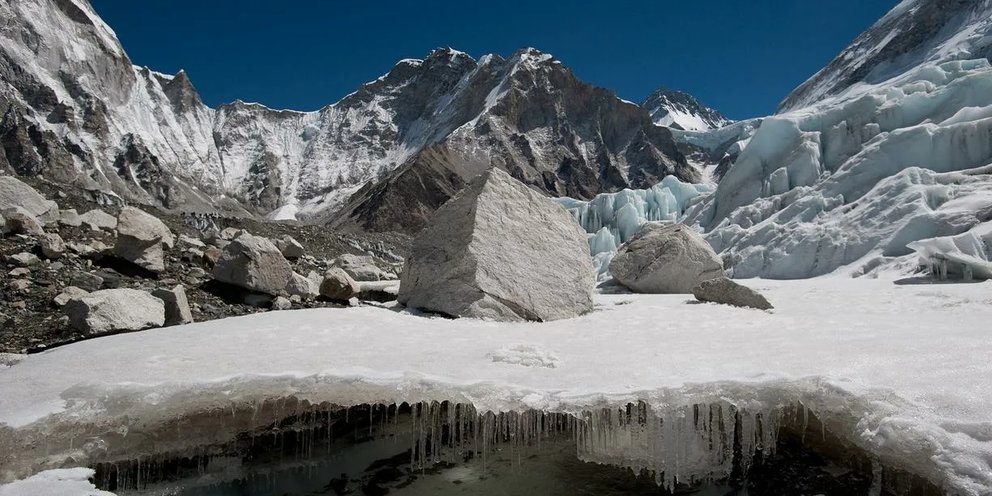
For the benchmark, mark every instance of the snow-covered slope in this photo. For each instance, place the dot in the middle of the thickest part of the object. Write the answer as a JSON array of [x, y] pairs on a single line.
[[75, 108], [680, 110], [862, 174]]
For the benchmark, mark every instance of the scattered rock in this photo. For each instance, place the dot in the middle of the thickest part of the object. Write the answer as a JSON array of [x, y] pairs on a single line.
[[14, 193], [52, 246], [303, 287], [725, 291], [19, 221], [23, 259], [281, 303], [192, 241], [212, 255], [19, 305], [87, 281], [665, 259], [192, 256], [338, 285], [19, 272], [97, 219], [68, 294], [90, 249], [499, 250], [142, 239], [70, 218], [113, 310], [254, 263], [197, 273], [177, 310], [380, 291], [290, 248], [229, 233], [361, 268], [21, 285]]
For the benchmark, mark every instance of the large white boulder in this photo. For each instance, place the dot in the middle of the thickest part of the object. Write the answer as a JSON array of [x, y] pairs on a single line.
[[665, 258], [97, 219], [142, 239], [255, 263], [499, 250], [14, 193], [112, 310]]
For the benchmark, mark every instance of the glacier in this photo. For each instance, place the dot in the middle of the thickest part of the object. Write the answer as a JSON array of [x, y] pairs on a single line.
[[610, 219]]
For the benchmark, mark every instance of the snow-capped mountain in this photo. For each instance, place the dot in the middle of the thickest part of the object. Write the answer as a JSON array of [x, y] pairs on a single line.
[[680, 110], [881, 158], [76, 109], [913, 33]]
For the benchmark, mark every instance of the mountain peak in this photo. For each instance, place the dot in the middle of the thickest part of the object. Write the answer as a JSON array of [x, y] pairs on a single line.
[[680, 110]]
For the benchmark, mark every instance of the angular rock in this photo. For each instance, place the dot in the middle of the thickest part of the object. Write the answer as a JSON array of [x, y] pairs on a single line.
[[19, 272], [290, 248], [195, 243], [14, 193], [499, 250], [91, 249], [303, 287], [212, 255], [254, 263], [19, 221], [52, 246], [665, 259], [113, 310], [97, 219], [142, 239], [69, 293], [281, 303], [87, 281], [70, 218], [725, 291], [20, 284], [338, 285], [177, 310], [23, 259], [361, 268]]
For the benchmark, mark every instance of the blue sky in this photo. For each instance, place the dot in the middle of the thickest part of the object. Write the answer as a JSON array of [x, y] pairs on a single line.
[[738, 56]]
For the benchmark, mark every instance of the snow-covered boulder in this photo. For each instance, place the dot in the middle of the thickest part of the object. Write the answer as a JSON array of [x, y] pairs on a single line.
[[52, 246], [142, 239], [966, 256], [361, 268], [499, 250], [665, 258], [112, 310], [18, 220], [725, 291], [15, 193], [290, 247], [338, 285], [97, 219], [177, 310], [254, 263]]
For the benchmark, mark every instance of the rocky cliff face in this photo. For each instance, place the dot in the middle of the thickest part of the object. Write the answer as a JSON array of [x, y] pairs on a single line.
[[680, 110], [913, 33], [75, 109]]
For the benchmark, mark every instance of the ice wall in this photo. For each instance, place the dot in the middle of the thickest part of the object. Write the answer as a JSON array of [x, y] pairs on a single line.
[[857, 178], [611, 219]]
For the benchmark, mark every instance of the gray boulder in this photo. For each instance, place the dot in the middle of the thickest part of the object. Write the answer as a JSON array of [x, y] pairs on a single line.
[[112, 310], [665, 259], [142, 239], [254, 263], [303, 287], [15, 193], [52, 246], [281, 303], [18, 220], [725, 291], [499, 250], [87, 281], [361, 268], [70, 218], [290, 247], [97, 219], [23, 259], [177, 310], [68, 294], [338, 285]]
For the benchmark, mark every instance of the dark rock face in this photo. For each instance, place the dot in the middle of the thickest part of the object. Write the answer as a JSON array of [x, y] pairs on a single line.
[[904, 38], [680, 110]]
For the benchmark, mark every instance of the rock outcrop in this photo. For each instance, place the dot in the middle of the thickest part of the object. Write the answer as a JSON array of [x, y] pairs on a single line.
[[254, 263], [113, 310], [15, 193], [666, 259], [499, 250], [142, 239], [725, 291], [177, 311]]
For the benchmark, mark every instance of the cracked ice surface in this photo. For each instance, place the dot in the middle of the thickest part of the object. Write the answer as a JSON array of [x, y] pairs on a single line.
[[902, 371]]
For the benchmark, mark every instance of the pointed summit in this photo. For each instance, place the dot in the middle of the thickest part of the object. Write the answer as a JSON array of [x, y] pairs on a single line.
[[680, 110]]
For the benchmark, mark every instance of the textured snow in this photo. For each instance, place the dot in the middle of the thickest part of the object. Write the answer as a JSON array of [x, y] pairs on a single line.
[[611, 219], [57, 482], [904, 369]]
